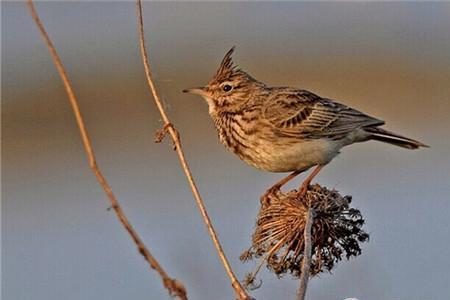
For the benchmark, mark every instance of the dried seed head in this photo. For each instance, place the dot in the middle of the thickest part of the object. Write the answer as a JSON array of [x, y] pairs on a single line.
[[278, 237]]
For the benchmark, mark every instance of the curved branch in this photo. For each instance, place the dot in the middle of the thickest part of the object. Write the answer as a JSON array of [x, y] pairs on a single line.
[[174, 286], [241, 293]]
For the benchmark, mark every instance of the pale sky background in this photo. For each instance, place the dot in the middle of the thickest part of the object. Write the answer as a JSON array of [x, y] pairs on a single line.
[[390, 60]]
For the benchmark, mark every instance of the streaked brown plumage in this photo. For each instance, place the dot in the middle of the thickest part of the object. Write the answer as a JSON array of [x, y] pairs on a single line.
[[284, 129]]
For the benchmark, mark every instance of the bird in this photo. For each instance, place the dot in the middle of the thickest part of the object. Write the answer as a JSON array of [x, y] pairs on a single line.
[[285, 129]]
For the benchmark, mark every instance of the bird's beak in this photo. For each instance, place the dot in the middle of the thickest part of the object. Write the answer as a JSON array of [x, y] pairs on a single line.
[[198, 91]]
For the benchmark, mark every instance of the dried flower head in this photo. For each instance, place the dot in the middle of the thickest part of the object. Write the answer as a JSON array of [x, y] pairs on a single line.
[[278, 237]]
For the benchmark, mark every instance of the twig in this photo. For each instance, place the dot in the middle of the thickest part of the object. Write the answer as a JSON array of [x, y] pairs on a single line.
[[306, 262], [241, 293], [174, 287]]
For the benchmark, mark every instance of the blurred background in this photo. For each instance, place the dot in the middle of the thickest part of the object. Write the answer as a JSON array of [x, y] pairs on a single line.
[[390, 60]]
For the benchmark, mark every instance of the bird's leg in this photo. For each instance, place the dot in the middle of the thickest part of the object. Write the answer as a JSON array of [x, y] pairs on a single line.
[[276, 187], [305, 184]]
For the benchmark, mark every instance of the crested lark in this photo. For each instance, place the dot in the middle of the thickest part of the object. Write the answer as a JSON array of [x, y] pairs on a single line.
[[284, 129]]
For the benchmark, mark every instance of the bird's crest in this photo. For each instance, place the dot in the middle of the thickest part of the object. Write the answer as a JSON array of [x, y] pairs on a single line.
[[226, 67]]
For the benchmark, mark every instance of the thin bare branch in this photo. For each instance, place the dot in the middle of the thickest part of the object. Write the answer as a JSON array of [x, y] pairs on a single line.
[[241, 293], [306, 263], [174, 287]]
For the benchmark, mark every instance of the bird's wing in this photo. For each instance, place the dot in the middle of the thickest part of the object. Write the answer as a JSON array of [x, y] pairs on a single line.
[[300, 113]]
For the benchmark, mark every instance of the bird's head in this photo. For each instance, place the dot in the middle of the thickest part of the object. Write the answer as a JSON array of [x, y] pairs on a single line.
[[229, 89]]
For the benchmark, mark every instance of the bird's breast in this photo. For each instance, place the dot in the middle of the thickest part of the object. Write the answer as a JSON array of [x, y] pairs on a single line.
[[290, 156], [259, 146]]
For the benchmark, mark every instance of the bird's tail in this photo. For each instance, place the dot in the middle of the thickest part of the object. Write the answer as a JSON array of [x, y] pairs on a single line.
[[382, 135]]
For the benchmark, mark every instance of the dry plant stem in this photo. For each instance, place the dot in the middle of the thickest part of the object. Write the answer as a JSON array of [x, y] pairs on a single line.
[[241, 293], [174, 286], [306, 263]]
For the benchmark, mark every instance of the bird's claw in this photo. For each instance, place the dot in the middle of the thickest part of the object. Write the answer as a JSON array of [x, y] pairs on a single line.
[[302, 192], [270, 192]]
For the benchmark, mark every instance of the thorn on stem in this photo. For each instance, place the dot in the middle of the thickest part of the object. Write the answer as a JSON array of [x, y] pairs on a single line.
[[162, 132], [112, 206], [175, 288]]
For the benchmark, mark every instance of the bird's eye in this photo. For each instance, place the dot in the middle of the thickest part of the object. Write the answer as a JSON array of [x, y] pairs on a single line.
[[227, 88]]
